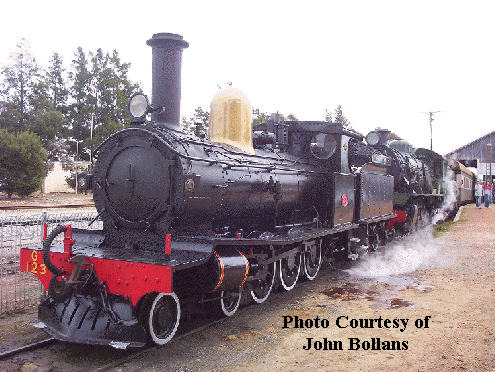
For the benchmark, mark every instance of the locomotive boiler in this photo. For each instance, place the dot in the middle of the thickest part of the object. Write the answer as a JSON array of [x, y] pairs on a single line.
[[420, 180], [192, 224]]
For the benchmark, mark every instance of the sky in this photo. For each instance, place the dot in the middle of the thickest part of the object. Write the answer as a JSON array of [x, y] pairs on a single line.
[[387, 63]]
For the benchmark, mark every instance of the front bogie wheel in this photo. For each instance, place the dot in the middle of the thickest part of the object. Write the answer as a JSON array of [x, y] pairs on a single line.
[[160, 315], [226, 305]]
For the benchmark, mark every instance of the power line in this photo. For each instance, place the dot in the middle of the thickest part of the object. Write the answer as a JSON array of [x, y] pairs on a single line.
[[431, 126]]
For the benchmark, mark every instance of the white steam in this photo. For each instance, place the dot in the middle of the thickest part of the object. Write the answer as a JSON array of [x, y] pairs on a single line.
[[399, 257], [413, 252], [450, 197]]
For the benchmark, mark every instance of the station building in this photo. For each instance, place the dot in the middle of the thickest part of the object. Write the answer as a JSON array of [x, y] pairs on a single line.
[[478, 154]]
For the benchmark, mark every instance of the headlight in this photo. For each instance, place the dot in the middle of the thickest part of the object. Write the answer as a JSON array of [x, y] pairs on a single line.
[[373, 138], [139, 106]]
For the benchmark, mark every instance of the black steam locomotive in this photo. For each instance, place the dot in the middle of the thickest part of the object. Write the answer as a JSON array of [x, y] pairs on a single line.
[[190, 222]]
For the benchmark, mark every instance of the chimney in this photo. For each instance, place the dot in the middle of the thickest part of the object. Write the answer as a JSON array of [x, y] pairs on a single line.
[[166, 73]]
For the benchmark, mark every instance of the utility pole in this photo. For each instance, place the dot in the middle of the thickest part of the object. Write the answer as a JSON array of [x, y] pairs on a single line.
[[431, 126], [77, 157], [489, 162]]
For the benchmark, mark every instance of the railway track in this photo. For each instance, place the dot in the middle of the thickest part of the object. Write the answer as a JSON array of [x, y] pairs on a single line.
[[25, 348], [44, 206], [146, 350], [114, 359]]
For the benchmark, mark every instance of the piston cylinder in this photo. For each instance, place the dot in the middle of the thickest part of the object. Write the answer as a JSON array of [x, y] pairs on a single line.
[[229, 269]]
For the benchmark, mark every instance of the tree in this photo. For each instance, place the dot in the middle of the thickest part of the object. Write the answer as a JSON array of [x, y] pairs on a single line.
[[100, 89], [328, 116], [30, 99], [19, 79], [198, 124], [122, 88], [22, 163], [48, 125], [80, 109], [340, 118], [259, 117], [56, 83], [44, 120], [291, 117], [10, 116], [89, 106], [57, 150], [112, 89]]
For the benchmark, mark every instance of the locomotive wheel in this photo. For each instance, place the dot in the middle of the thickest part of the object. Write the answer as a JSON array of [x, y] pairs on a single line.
[[373, 242], [160, 315], [424, 220], [312, 261], [263, 287], [229, 301], [289, 271], [374, 238]]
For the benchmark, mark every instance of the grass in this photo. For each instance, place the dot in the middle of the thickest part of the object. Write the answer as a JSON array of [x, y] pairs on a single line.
[[442, 227]]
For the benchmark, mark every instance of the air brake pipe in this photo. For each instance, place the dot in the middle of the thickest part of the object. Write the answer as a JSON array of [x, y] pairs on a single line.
[[46, 249]]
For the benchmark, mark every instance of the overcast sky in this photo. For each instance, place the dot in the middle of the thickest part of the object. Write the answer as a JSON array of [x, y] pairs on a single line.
[[385, 62]]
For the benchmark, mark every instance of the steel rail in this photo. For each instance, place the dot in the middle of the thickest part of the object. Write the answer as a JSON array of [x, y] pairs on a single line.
[[155, 347], [14, 207], [22, 349]]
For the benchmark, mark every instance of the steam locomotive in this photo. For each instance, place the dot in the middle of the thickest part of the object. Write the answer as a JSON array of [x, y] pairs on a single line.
[[192, 223]]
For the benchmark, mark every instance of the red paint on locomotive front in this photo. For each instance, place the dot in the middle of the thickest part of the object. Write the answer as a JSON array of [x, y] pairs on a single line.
[[129, 279]]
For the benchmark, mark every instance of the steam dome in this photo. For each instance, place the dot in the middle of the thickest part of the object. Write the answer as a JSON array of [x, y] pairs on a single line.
[[230, 120]]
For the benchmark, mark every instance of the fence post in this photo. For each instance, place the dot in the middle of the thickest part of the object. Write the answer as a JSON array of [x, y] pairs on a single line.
[[44, 219]]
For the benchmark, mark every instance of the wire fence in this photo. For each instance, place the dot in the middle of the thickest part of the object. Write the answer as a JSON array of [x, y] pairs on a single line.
[[20, 290]]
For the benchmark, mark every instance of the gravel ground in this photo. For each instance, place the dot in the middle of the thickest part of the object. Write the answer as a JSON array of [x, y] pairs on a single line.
[[430, 299], [443, 287]]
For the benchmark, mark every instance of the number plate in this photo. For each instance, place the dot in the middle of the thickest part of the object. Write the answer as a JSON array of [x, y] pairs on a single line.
[[32, 265]]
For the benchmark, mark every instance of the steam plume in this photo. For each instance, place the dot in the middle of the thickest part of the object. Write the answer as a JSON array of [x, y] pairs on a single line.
[[450, 197]]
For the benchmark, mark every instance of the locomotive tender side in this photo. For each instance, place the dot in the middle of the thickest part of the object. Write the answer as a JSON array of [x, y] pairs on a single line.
[[190, 223]]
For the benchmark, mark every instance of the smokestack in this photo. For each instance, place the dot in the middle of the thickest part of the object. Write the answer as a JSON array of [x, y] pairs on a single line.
[[166, 74]]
